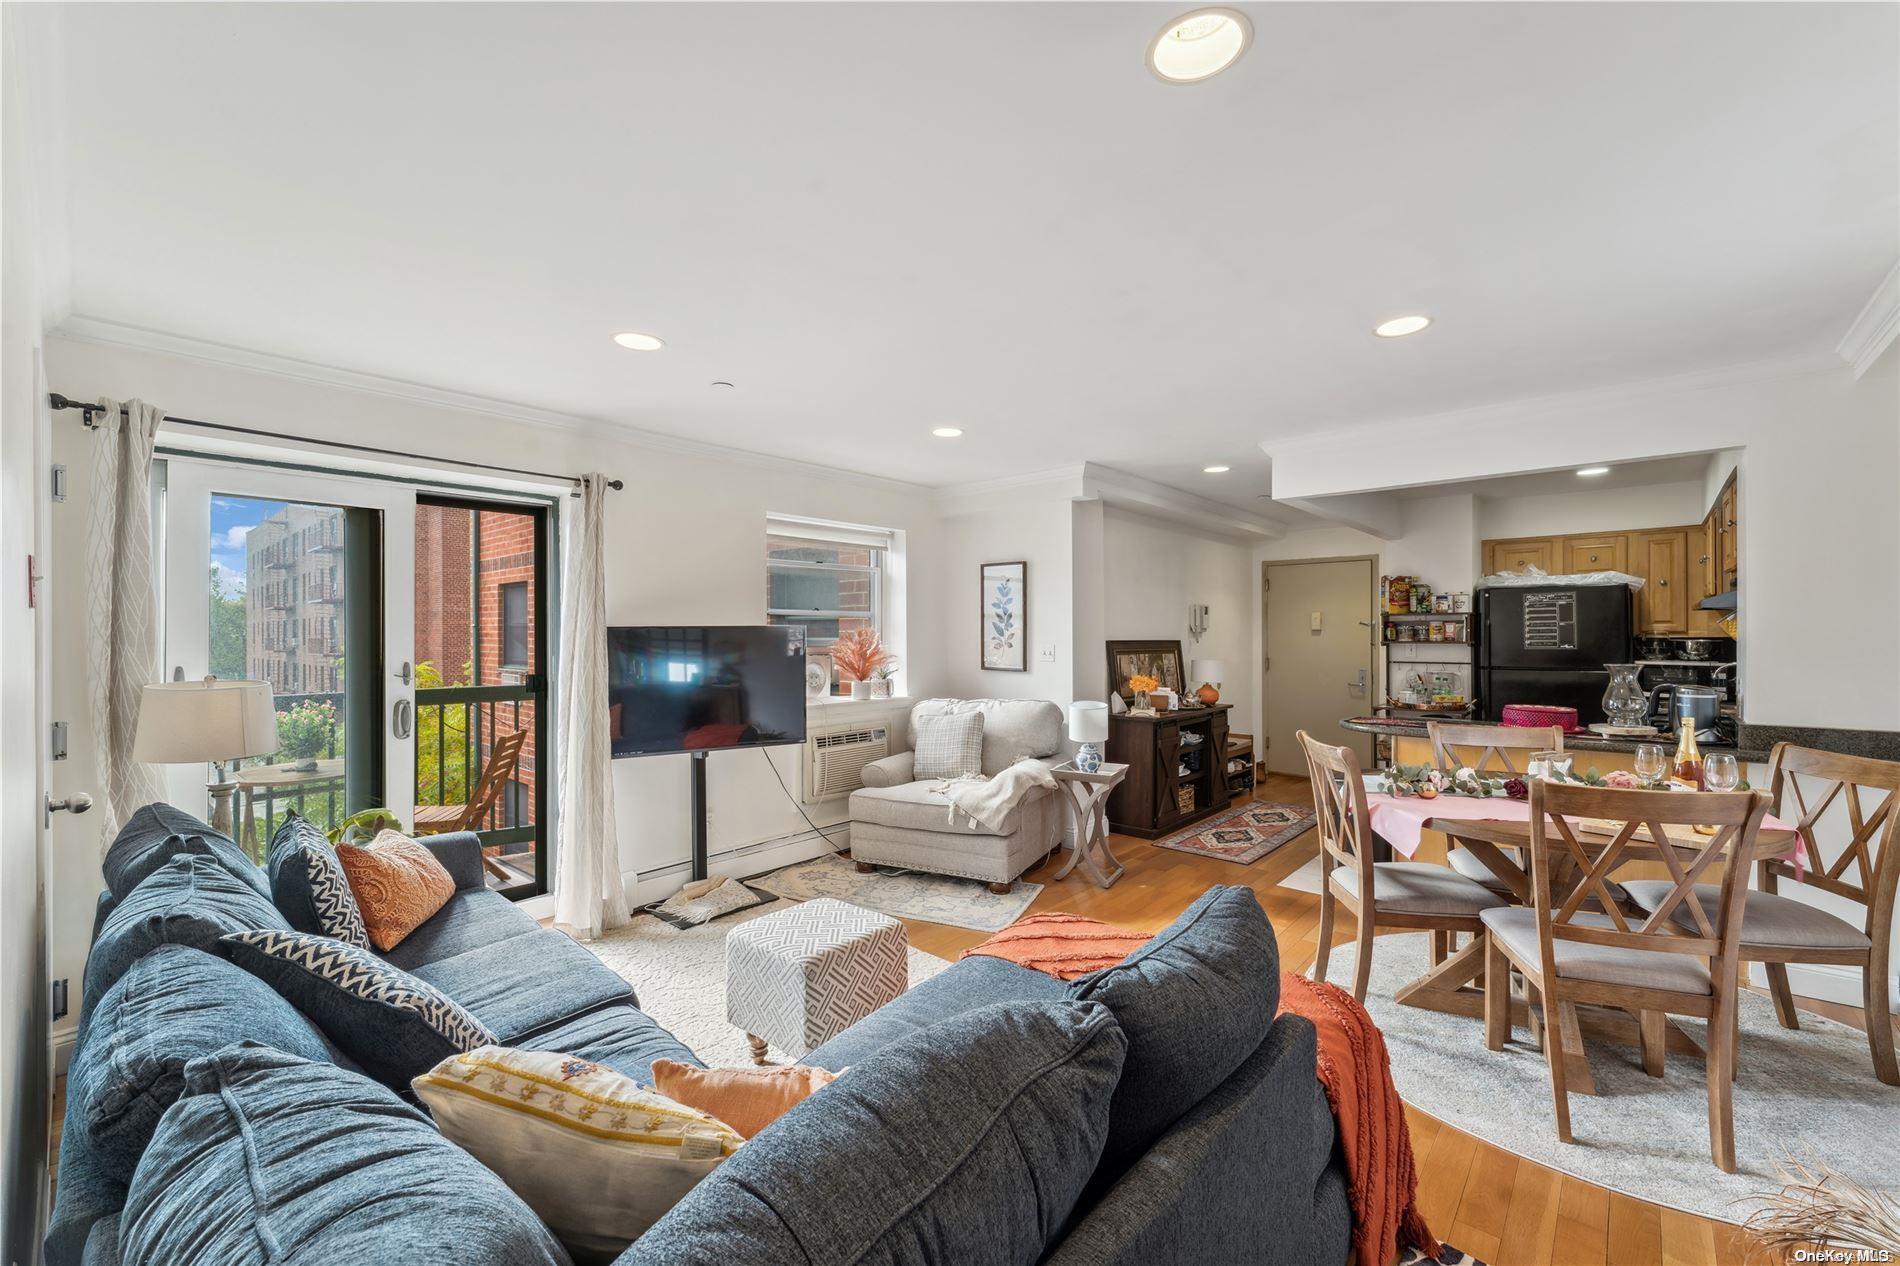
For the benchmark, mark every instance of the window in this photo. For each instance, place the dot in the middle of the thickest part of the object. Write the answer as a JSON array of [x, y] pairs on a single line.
[[826, 578], [514, 624]]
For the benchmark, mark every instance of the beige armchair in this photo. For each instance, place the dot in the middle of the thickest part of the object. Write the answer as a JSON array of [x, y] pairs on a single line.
[[897, 820]]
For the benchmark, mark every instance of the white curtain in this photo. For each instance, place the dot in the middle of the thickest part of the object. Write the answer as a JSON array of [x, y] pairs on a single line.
[[121, 605], [588, 896]]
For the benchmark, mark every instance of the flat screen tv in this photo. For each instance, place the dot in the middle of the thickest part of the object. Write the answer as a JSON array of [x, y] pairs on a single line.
[[702, 689]]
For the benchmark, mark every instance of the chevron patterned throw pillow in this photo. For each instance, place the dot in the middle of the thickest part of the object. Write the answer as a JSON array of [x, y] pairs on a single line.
[[309, 886], [392, 1023]]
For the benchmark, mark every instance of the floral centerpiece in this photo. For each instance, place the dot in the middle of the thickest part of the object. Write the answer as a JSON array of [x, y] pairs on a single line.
[[1427, 781], [304, 730], [1139, 684]]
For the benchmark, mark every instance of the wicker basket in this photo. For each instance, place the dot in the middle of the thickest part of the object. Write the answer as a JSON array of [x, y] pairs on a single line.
[[1184, 799]]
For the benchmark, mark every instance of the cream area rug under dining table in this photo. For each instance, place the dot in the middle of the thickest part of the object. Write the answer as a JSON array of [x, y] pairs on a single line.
[[1809, 1092], [680, 977]]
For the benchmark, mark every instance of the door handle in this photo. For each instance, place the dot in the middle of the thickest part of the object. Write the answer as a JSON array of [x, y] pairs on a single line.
[[75, 804], [406, 674], [402, 720]]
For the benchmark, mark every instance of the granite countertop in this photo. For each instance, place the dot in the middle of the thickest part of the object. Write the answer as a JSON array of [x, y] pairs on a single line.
[[1395, 727]]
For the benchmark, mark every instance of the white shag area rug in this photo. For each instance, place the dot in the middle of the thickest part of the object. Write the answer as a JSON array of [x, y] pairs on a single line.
[[1809, 1092], [680, 977], [915, 894]]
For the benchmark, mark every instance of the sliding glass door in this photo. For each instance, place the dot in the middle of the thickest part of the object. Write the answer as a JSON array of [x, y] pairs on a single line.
[[482, 682], [306, 581]]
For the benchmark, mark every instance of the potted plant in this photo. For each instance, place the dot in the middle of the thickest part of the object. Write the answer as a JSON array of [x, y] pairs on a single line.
[[859, 655], [304, 730]]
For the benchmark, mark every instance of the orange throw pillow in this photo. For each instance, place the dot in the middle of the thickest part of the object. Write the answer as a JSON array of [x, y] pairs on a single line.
[[747, 1099], [1062, 945], [397, 884]]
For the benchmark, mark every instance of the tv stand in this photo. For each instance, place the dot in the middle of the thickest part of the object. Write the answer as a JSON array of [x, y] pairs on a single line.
[[699, 814]]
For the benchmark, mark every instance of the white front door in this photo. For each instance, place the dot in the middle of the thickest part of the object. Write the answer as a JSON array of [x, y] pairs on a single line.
[[305, 580]]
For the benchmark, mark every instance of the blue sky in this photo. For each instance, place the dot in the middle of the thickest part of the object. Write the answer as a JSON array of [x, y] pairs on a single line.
[[231, 519]]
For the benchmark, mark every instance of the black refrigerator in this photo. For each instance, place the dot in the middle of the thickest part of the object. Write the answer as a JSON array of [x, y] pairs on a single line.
[[1548, 644]]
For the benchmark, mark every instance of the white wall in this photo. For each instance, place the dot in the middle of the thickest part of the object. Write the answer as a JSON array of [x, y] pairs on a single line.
[[1032, 524], [25, 1078], [1594, 510], [686, 543], [1154, 570]]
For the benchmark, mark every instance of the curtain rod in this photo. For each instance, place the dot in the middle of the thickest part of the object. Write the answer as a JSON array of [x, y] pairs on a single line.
[[87, 410]]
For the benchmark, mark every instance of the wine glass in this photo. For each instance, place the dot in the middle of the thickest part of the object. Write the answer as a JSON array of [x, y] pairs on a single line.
[[1720, 772], [1651, 762]]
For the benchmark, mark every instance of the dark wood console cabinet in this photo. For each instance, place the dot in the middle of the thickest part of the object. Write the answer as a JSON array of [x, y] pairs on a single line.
[[1155, 749]]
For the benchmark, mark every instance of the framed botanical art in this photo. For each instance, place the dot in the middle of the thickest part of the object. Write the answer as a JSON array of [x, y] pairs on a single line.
[[1157, 660], [1005, 592]]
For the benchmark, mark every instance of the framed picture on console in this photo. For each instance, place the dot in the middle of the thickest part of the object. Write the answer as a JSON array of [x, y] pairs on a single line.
[[1158, 659], [1005, 615]]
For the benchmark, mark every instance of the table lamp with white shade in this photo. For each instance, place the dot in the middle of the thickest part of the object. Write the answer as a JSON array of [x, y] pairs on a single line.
[[213, 721], [1210, 673], [1088, 725]]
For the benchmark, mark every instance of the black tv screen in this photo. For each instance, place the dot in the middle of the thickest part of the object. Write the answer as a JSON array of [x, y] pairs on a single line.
[[697, 689]]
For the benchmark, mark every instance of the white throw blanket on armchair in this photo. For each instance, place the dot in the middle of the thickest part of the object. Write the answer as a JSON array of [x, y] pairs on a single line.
[[989, 801]]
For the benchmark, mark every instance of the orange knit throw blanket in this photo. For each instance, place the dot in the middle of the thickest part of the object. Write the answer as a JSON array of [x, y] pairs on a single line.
[[1062, 945], [1356, 1072]]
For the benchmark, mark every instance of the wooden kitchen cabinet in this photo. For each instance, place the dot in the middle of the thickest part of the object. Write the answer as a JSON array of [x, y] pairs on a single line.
[[1541, 552], [1604, 551], [1661, 558], [1729, 544]]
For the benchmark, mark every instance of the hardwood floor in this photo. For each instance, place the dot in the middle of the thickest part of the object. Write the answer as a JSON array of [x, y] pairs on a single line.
[[1489, 1202]]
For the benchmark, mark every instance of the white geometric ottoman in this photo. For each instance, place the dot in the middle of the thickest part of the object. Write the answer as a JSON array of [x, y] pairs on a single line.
[[800, 977]]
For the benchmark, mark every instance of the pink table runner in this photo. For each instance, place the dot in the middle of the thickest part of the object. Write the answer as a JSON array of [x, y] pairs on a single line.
[[1400, 820]]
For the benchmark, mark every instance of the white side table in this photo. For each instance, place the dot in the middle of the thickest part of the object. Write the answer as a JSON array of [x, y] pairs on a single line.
[[1086, 796]]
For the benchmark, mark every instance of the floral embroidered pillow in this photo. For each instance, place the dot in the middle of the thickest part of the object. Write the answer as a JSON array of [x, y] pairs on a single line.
[[639, 1151]]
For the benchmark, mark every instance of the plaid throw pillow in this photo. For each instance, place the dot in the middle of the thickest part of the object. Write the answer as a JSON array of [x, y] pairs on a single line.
[[949, 746]]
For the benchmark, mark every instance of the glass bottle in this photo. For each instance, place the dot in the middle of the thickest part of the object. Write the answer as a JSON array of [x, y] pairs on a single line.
[[1688, 755]]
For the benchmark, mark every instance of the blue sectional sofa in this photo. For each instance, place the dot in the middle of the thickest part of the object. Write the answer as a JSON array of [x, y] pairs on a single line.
[[1155, 1112]]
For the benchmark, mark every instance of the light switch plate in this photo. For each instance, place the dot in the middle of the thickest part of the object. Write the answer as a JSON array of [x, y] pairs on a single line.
[[1318, 621], [1049, 653]]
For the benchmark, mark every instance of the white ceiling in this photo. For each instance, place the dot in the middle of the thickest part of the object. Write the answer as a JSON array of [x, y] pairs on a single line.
[[878, 218], [1643, 474]]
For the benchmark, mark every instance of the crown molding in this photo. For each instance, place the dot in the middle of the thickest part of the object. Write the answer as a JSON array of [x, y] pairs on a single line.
[[1873, 331], [86, 329], [1530, 409]]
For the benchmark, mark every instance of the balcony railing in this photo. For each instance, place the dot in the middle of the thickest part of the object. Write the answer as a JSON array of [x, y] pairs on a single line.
[[269, 788], [455, 727]]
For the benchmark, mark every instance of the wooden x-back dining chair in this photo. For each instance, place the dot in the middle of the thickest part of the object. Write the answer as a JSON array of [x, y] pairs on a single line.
[[1415, 895], [1654, 968], [1500, 749], [503, 759], [1778, 929]]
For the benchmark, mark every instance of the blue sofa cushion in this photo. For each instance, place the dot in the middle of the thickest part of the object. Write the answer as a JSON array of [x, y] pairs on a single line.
[[972, 983], [170, 1007], [270, 1158], [474, 917], [392, 1024], [91, 1186], [621, 1037], [190, 900], [968, 1142], [308, 884], [1195, 1002], [526, 983], [159, 832]]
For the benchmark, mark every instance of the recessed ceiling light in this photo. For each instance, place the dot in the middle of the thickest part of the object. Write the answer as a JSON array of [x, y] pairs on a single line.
[[1199, 45], [1399, 327], [1215, 470], [1591, 472], [946, 432], [636, 342]]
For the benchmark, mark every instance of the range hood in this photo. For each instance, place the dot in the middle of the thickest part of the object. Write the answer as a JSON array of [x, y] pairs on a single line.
[[1718, 602]]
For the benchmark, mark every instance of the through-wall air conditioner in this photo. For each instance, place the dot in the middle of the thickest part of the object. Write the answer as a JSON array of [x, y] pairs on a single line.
[[835, 759]]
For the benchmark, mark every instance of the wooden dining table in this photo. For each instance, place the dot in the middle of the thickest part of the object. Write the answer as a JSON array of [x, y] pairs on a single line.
[[1497, 831]]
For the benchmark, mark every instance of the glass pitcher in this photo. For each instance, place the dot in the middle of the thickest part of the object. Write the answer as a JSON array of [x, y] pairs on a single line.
[[1625, 702]]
